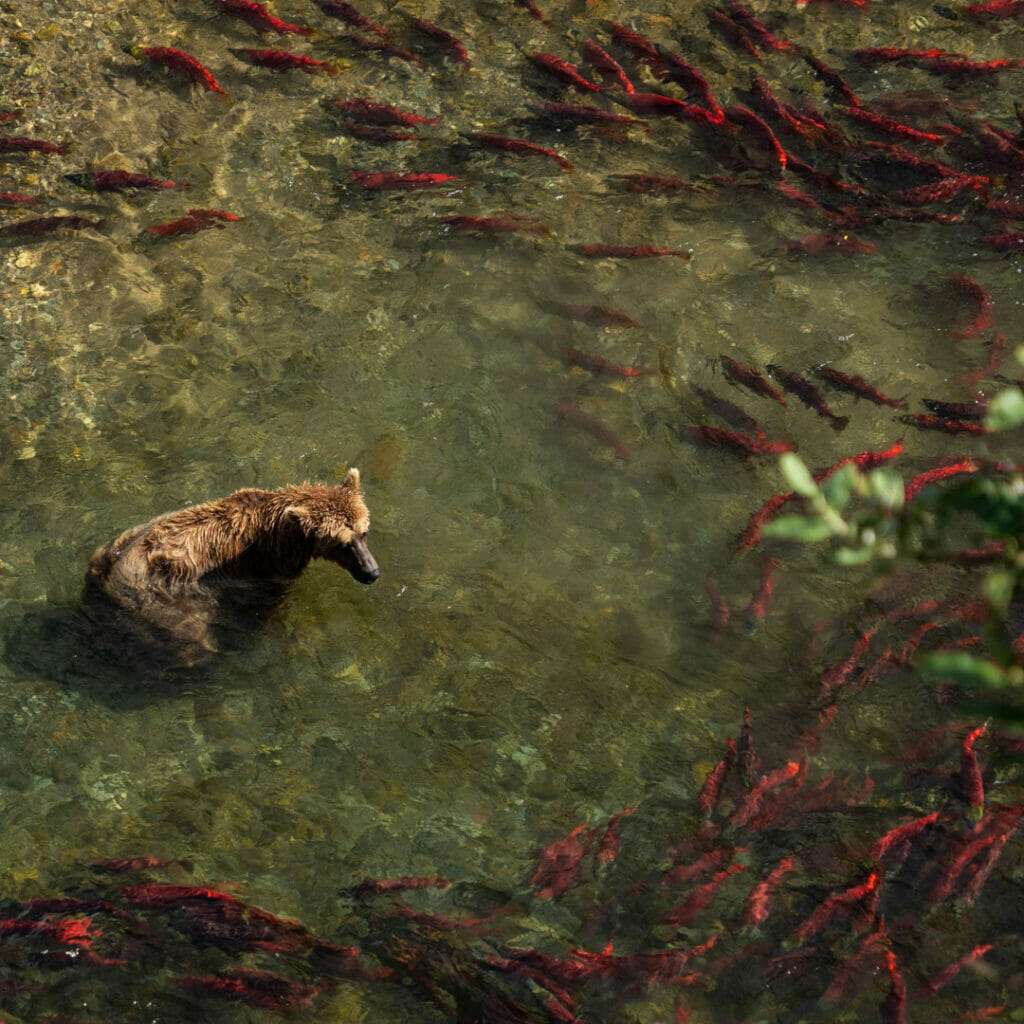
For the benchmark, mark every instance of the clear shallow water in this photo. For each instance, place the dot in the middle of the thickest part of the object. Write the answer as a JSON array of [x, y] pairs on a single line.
[[538, 651]]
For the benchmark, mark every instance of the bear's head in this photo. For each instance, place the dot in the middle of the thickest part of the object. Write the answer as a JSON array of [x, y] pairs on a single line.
[[337, 521]]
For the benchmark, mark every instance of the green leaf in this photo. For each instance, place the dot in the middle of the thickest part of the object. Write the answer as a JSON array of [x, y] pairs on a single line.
[[839, 486], [999, 587], [853, 556], [961, 668], [886, 487], [797, 475], [1006, 410], [798, 528]]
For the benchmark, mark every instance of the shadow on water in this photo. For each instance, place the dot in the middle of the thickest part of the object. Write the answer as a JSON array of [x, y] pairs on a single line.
[[62, 643], [103, 654]]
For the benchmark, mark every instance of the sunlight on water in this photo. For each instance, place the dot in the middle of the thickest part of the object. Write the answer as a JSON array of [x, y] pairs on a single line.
[[541, 649]]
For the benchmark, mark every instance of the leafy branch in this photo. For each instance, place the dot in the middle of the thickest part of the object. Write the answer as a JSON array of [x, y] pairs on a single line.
[[882, 527]]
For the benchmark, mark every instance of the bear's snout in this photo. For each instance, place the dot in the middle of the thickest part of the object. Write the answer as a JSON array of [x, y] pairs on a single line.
[[357, 559], [365, 568], [370, 576]]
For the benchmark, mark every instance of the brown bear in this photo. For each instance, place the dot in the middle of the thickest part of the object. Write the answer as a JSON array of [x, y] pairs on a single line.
[[170, 580]]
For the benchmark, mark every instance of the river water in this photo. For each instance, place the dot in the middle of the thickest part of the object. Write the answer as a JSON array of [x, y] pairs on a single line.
[[540, 651]]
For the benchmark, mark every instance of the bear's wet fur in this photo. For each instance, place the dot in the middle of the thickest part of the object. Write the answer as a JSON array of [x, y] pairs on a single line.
[[226, 562]]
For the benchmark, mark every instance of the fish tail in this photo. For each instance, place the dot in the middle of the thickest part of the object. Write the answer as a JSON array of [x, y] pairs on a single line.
[[838, 422]]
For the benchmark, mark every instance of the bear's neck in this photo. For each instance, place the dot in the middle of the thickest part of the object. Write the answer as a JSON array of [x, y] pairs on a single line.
[[275, 544]]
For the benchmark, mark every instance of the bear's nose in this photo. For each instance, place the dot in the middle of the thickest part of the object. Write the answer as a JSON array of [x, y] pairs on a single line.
[[370, 575]]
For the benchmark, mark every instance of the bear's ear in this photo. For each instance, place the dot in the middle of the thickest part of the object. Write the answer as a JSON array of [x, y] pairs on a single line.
[[301, 515], [351, 480]]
